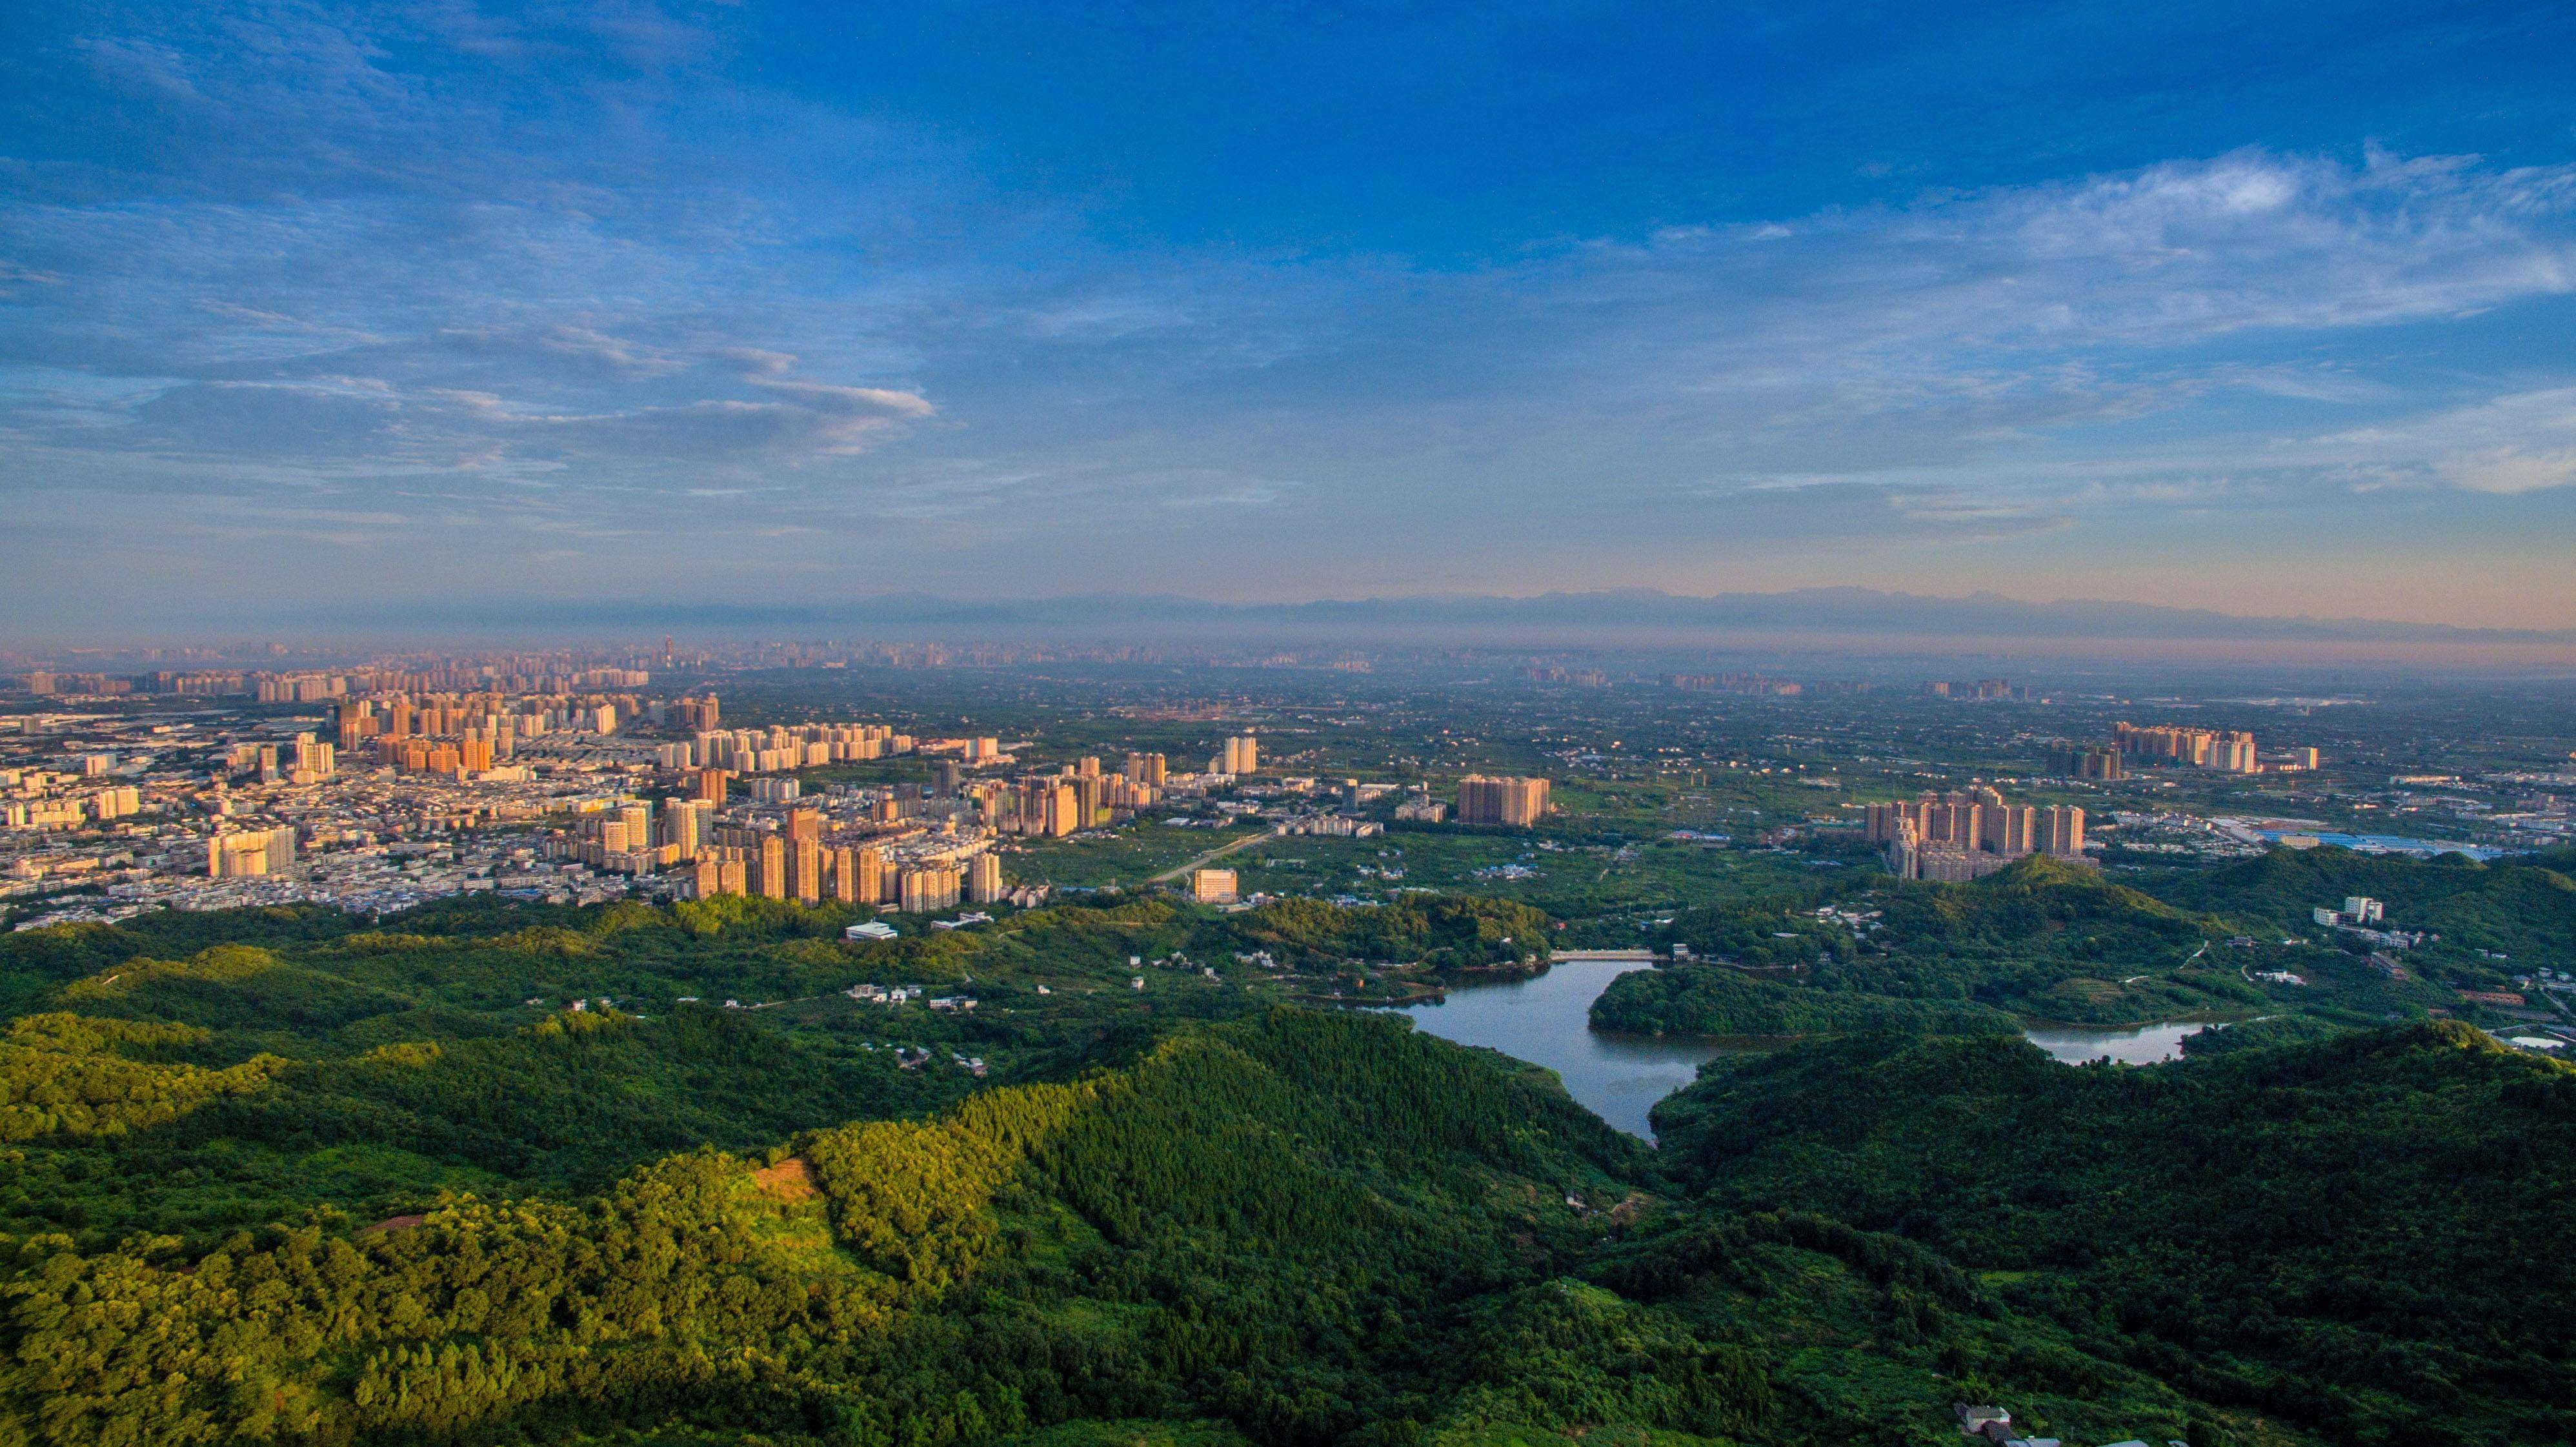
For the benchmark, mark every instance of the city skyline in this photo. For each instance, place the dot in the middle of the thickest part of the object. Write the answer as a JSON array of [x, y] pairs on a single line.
[[364, 314]]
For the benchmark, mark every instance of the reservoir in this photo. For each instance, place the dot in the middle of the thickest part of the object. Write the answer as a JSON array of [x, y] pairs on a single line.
[[2139, 1045], [1547, 1021]]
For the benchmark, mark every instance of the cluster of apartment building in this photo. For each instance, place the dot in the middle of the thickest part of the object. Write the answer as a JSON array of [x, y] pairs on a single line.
[[803, 854], [1965, 834], [780, 749], [205, 814], [34, 804], [805, 867], [1755, 684], [895, 846], [400, 796], [240, 853], [471, 734], [1976, 688], [519, 675], [1077, 796], [2227, 751], [1241, 755]]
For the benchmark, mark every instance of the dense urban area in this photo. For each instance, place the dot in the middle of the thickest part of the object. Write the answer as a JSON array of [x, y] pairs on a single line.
[[909, 1043]]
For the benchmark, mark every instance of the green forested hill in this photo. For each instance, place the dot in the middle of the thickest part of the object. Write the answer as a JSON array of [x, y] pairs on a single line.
[[290, 1059], [281, 1179], [2521, 906], [1718, 1000], [2357, 1233], [2045, 941], [1311, 1228], [2040, 939], [1237, 1223]]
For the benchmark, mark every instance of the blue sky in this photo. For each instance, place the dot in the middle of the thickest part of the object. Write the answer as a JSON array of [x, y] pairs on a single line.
[[348, 312]]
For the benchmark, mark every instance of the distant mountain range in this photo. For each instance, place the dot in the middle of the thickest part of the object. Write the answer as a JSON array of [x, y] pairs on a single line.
[[1848, 611]]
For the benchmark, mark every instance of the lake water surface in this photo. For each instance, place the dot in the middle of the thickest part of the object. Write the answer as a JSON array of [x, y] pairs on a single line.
[[1547, 1021], [2140, 1045]]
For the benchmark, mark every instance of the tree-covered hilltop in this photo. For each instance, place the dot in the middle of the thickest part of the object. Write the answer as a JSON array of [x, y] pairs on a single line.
[[1242, 1223], [1720, 1000], [1446, 932], [2351, 1233], [294, 1058], [287, 1178], [2521, 908], [2040, 939], [1309, 1228], [2045, 941]]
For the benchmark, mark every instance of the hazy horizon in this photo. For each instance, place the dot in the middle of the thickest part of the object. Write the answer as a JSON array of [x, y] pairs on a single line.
[[1816, 631]]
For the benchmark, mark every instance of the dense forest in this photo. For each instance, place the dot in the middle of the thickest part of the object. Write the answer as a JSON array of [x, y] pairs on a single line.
[[504, 1173], [2521, 908], [2044, 941], [1308, 1227], [2041, 940], [2353, 1231]]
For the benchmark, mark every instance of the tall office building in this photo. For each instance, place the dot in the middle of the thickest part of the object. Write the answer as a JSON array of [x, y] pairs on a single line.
[[1517, 802], [984, 878], [805, 824], [945, 774]]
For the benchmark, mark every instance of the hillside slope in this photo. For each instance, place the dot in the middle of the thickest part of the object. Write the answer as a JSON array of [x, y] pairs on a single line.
[[2353, 1232], [2040, 939]]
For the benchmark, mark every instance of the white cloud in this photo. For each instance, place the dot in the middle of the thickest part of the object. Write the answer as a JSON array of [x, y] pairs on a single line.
[[333, 275], [2522, 442]]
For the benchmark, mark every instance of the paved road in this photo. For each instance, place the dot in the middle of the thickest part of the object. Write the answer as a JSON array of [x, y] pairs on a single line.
[[1221, 851]]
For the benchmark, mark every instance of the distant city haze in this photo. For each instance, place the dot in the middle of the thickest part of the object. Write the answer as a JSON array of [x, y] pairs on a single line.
[[376, 320]]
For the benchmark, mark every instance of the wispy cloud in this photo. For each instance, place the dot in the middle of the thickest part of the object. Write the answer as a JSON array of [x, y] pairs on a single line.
[[2521, 442], [268, 256]]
